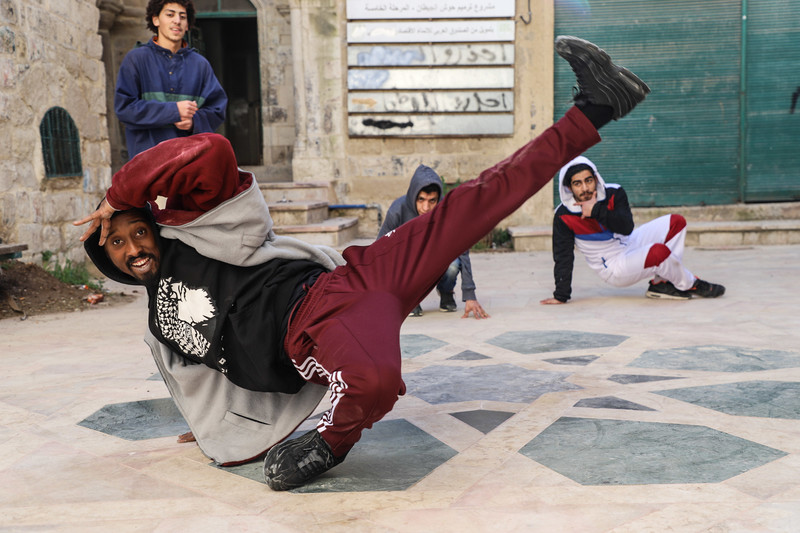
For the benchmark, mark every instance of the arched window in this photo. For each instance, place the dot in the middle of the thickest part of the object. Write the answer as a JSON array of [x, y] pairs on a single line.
[[61, 146]]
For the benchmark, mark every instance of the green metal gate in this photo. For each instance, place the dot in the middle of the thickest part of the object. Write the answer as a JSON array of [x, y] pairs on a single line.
[[716, 129], [772, 82]]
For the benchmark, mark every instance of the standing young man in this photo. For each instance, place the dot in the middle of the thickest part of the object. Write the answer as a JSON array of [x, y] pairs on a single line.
[[424, 192], [595, 217], [247, 327], [164, 88]]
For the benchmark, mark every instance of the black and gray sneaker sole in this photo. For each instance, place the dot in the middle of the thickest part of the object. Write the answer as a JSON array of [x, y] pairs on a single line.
[[665, 296], [599, 79]]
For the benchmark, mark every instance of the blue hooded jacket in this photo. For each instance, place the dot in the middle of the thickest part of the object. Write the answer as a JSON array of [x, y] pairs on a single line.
[[150, 80]]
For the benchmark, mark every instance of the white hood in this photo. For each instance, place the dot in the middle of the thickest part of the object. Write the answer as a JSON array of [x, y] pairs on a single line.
[[565, 193]]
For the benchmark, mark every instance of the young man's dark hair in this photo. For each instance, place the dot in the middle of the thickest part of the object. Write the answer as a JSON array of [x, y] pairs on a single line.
[[431, 188], [154, 8], [574, 169]]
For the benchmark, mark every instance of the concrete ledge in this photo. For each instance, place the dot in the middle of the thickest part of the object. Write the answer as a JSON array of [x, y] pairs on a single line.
[[738, 233], [703, 233]]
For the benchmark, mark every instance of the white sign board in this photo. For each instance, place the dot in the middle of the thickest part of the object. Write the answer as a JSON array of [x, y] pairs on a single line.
[[430, 67], [423, 55], [413, 125], [430, 102], [428, 9], [430, 32], [433, 78]]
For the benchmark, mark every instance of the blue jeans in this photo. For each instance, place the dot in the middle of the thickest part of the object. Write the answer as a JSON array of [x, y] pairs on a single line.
[[447, 283]]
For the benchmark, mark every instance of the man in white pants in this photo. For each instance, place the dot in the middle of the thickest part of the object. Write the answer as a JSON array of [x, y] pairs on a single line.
[[596, 217]]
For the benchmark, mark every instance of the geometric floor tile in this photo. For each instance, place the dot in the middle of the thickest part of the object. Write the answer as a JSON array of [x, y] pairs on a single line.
[[391, 456], [619, 452], [717, 359], [501, 383], [145, 419], [624, 379], [468, 355], [611, 402], [483, 420], [414, 345], [767, 399], [578, 360], [527, 342]]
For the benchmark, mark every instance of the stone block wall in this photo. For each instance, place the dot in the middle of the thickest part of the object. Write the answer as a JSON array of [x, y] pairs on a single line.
[[50, 55]]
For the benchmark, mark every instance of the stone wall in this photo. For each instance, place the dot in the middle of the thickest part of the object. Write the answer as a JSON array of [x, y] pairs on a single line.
[[50, 55]]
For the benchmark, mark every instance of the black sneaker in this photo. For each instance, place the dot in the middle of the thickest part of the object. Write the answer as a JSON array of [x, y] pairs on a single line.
[[665, 290], [294, 463], [600, 81], [417, 311], [447, 303], [705, 289]]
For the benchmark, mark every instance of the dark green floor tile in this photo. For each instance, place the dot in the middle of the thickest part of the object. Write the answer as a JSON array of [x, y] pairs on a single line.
[[468, 355], [715, 358], [483, 420], [553, 341], [611, 402], [625, 379], [414, 345], [618, 452], [580, 360], [767, 399], [146, 419], [501, 383]]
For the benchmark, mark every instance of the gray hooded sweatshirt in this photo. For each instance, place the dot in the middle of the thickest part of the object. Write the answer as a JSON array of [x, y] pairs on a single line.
[[404, 209], [231, 424]]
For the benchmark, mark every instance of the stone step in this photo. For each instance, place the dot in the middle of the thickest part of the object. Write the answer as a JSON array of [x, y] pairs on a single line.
[[298, 212], [332, 232], [295, 192], [707, 233]]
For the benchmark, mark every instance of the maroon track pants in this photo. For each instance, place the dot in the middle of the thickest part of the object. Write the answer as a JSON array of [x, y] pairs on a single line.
[[346, 332]]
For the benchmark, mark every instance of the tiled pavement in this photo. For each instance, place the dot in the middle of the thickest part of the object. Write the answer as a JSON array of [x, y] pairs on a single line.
[[611, 413]]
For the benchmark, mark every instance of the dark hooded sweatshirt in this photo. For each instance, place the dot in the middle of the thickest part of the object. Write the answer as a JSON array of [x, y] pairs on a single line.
[[404, 209]]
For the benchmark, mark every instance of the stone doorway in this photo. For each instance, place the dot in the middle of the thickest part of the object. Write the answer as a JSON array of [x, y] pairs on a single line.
[[231, 46]]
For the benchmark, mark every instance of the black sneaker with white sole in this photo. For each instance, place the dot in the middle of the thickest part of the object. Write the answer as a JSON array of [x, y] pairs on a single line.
[[417, 311], [705, 289], [294, 463], [447, 302], [665, 290], [600, 81]]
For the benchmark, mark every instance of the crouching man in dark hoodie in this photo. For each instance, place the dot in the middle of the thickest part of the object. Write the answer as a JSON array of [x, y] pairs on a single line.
[[424, 192], [249, 329]]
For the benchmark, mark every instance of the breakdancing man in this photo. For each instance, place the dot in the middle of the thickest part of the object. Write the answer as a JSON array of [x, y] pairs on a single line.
[[250, 329]]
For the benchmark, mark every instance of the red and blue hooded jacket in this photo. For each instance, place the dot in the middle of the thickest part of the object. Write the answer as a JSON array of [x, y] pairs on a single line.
[[598, 238]]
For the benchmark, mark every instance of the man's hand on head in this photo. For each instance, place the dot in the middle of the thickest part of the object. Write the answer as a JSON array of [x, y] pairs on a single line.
[[587, 206], [100, 218], [551, 301], [473, 307]]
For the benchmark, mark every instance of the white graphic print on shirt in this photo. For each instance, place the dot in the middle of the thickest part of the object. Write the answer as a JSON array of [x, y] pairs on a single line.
[[185, 316]]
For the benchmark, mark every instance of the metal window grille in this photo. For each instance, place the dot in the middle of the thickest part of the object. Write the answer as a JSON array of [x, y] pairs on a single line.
[[61, 146]]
